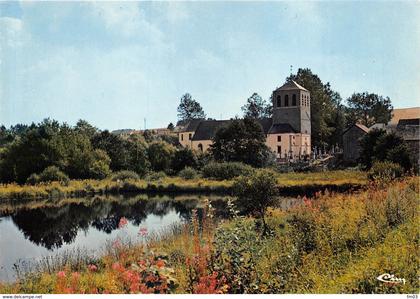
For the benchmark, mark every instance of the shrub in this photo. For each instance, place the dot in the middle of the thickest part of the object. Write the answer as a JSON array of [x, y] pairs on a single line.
[[100, 165], [124, 175], [236, 251], [226, 171], [155, 176], [256, 193], [33, 179], [385, 171], [183, 157], [160, 155], [49, 174], [188, 173]]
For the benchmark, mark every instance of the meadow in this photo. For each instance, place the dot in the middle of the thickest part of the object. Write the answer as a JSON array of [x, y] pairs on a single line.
[[288, 183], [332, 243]]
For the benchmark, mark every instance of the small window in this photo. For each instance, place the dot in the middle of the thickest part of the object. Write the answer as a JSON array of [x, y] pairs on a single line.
[[200, 147], [278, 101], [293, 100], [286, 100], [293, 137], [279, 150], [279, 138], [190, 136], [182, 137]]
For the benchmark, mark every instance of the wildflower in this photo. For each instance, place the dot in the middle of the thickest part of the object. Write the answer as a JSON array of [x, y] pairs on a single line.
[[142, 263], [307, 202], [92, 268], [160, 263], [123, 222], [142, 231], [117, 267], [75, 275], [116, 243], [61, 274]]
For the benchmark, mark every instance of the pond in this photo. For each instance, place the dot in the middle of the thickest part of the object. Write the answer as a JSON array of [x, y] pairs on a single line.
[[31, 231]]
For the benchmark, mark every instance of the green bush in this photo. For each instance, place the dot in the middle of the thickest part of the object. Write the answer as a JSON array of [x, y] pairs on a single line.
[[188, 173], [124, 175], [237, 249], [385, 171], [49, 174], [99, 168], [256, 193], [33, 179], [226, 171], [183, 158], [156, 176]]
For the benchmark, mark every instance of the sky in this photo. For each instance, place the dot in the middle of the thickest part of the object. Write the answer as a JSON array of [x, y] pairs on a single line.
[[115, 64]]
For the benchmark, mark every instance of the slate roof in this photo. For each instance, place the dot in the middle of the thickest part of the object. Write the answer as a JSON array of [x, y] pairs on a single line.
[[291, 85], [207, 128], [192, 125], [281, 128], [266, 124]]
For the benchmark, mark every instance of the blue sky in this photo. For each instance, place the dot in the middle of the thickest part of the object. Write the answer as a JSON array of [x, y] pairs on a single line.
[[115, 64]]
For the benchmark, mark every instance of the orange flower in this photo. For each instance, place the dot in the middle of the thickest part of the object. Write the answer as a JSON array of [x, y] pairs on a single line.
[[160, 263]]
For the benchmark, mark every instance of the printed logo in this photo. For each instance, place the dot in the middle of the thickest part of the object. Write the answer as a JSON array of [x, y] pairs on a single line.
[[390, 278]]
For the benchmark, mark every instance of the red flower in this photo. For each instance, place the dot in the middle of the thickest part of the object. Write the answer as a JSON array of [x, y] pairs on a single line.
[[123, 222], [160, 263], [92, 268], [61, 274], [142, 231]]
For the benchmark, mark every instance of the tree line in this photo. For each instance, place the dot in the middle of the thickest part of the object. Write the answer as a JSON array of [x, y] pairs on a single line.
[[329, 115], [82, 151]]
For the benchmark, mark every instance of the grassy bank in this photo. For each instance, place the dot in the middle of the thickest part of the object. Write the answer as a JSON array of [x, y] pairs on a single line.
[[335, 243], [289, 184]]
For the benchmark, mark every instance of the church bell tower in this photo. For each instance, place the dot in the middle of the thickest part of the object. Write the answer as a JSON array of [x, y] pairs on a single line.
[[292, 105]]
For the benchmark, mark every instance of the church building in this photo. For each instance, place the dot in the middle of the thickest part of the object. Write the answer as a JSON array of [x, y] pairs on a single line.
[[288, 132]]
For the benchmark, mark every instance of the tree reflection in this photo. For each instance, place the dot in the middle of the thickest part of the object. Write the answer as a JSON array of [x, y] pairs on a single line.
[[53, 226]]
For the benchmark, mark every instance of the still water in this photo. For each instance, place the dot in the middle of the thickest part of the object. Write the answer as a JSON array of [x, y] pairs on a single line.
[[31, 231]]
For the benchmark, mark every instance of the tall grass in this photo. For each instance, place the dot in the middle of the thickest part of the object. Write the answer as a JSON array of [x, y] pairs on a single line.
[[333, 243], [290, 183]]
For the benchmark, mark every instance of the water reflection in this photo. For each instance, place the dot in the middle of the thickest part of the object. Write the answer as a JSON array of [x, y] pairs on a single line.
[[53, 226], [32, 230]]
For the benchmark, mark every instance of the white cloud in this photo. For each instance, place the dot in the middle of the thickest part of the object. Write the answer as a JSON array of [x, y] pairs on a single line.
[[125, 18], [11, 32]]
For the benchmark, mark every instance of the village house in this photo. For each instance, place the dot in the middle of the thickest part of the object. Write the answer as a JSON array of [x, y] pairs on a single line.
[[351, 142], [288, 133], [405, 122]]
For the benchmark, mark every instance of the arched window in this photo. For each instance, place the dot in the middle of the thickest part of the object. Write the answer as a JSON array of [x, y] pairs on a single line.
[[293, 100], [278, 101], [200, 147], [286, 100]]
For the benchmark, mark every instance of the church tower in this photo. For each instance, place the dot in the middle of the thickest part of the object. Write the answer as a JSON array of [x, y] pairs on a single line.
[[292, 105]]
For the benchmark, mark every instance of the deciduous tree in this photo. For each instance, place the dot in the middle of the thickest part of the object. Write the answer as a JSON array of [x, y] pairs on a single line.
[[369, 108], [256, 107], [241, 141]]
